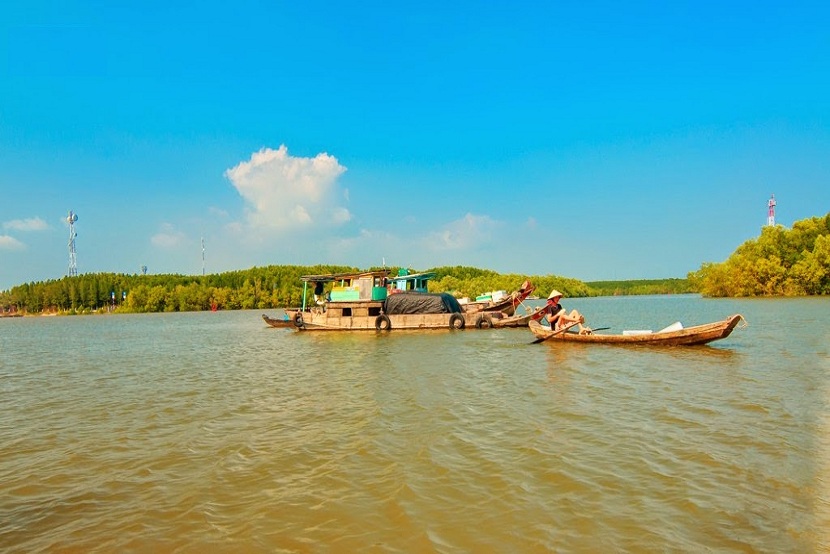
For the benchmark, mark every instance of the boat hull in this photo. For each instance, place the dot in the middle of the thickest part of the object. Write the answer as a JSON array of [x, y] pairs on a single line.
[[334, 320], [377, 323], [699, 334], [506, 306], [369, 316], [518, 320], [354, 309], [278, 323]]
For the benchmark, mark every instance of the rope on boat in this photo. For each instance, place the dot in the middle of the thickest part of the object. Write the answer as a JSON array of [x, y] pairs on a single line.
[[744, 323]]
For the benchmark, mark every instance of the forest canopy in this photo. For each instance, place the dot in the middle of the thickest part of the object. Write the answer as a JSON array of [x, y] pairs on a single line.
[[780, 262], [271, 287]]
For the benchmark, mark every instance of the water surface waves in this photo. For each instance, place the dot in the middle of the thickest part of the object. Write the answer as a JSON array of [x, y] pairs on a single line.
[[212, 432]]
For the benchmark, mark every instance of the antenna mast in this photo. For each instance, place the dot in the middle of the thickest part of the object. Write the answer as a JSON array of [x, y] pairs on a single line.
[[203, 256], [771, 211], [73, 261]]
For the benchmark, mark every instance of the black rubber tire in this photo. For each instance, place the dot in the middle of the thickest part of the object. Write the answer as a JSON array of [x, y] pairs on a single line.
[[382, 323], [298, 320], [484, 322], [457, 321]]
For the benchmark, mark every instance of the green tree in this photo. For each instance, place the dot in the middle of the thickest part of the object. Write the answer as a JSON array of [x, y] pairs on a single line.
[[778, 262]]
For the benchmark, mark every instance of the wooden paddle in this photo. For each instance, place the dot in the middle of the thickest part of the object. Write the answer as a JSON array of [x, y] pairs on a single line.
[[558, 332]]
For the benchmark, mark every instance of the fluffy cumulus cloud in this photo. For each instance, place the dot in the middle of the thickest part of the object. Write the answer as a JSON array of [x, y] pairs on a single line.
[[30, 224], [168, 237], [284, 192], [10, 243], [471, 231]]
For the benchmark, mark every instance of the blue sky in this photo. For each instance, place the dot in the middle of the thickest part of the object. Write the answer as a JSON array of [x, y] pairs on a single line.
[[594, 140]]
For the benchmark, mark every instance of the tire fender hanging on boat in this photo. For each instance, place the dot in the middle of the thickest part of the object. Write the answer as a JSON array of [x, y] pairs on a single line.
[[298, 320], [457, 321], [382, 323], [484, 322]]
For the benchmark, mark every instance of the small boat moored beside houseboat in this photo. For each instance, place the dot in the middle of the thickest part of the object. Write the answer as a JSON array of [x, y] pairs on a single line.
[[283, 323], [499, 301], [519, 320]]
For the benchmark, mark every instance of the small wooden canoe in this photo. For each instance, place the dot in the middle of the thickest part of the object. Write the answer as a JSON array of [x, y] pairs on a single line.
[[699, 334], [274, 322], [518, 320], [506, 306]]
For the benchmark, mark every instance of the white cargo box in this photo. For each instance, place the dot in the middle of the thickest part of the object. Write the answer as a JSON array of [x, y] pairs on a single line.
[[676, 326]]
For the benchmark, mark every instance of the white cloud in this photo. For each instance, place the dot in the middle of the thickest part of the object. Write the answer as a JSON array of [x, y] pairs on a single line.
[[366, 241], [218, 212], [30, 224], [284, 192], [10, 243], [340, 215], [234, 228], [168, 237], [468, 232]]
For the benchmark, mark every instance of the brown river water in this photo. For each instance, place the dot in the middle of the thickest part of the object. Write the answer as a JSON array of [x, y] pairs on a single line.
[[210, 432]]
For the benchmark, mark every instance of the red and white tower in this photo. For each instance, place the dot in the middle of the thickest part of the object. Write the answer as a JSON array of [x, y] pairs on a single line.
[[771, 211]]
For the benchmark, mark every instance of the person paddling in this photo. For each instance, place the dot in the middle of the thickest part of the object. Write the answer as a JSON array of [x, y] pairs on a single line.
[[557, 317]]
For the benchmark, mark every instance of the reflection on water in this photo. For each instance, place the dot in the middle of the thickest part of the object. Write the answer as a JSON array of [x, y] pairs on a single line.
[[212, 432]]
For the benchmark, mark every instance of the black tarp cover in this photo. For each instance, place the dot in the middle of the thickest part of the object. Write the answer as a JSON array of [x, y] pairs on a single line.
[[421, 303]]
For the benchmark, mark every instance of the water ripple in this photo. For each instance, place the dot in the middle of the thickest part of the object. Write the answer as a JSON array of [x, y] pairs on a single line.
[[211, 432]]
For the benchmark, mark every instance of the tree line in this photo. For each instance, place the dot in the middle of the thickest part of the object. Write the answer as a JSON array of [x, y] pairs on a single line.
[[269, 287], [258, 287], [641, 287], [780, 262]]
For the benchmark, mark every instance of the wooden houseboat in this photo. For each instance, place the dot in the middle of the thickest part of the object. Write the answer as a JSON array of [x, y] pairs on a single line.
[[379, 301], [375, 301]]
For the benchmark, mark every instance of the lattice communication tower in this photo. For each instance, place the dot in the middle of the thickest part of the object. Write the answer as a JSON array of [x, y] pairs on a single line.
[[771, 211], [73, 261]]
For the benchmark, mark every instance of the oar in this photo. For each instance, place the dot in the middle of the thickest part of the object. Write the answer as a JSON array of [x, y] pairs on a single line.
[[559, 332]]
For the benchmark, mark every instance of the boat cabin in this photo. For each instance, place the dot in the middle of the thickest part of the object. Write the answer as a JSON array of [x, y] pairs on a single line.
[[411, 282], [346, 287]]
